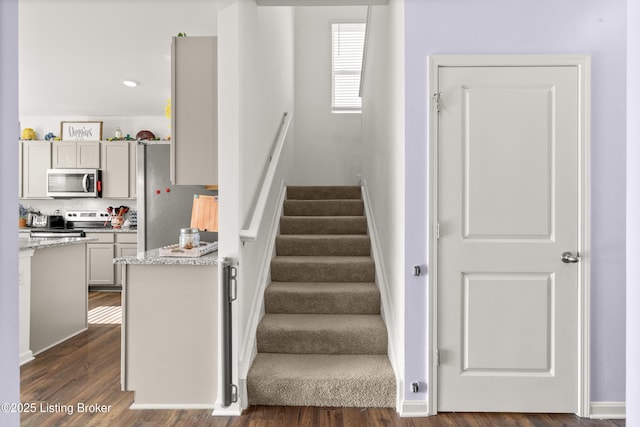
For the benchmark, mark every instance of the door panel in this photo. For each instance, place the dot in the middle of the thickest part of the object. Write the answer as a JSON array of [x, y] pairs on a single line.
[[508, 208]]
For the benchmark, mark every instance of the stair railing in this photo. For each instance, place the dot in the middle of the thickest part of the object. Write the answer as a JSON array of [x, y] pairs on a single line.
[[251, 233], [363, 67]]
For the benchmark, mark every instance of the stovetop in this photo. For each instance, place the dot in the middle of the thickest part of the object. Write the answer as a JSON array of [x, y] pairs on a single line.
[[87, 219]]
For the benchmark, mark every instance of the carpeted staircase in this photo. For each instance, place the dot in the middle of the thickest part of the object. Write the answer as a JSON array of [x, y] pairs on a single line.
[[322, 341]]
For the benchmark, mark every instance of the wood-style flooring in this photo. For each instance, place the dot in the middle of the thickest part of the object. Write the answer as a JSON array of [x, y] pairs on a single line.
[[86, 370]]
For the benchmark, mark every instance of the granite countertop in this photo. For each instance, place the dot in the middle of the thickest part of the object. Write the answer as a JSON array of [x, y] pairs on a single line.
[[153, 257], [40, 243], [91, 230], [110, 230]]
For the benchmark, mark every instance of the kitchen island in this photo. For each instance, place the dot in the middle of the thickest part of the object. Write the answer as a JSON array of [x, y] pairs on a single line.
[[170, 330], [53, 292]]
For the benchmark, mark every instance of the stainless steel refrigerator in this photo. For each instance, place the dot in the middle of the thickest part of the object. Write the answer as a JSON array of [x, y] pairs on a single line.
[[163, 209]]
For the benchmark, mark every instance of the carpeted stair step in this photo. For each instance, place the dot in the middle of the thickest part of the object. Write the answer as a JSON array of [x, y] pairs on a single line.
[[323, 207], [323, 192], [362, 381], [323, 225], [323, 244], [322, 269], [322, 298], [322, 334]]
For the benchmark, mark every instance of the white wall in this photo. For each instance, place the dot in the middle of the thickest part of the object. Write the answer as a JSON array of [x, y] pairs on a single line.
[[503, 27], [383, 164], [633, 214], [256, 80], [9, 371], [327, 145]]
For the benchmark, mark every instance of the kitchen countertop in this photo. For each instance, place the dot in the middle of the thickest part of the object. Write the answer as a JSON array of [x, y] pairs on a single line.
[[40, 243], [153, 257], [91, 230], [110, 230]]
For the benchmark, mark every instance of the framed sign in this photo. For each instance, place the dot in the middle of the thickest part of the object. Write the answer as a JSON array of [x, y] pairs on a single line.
[[81, 131]]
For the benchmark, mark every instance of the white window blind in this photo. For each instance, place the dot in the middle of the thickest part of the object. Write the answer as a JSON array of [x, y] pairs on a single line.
[[347, 47]]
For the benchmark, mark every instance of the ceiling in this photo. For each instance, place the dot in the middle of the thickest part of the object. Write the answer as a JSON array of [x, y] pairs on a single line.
[[74, 54]]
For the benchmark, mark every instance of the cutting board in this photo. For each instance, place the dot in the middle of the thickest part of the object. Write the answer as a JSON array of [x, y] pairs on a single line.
[[204, 213]]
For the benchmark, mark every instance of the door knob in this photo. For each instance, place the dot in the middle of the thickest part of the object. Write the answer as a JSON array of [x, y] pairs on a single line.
[[568, 257]]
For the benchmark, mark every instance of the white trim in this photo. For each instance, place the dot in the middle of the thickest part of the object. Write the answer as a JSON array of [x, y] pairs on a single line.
[[608, 410], [248, 347], [172, 406], [583, 66], [415, 408], [26, 357], [233, 410], [383, 285]]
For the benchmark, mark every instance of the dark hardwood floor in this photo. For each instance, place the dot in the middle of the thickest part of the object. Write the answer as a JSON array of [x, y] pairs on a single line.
[[85, 370]]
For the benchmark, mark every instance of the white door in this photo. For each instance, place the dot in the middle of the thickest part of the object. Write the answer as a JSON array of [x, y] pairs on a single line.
[[508, 208]]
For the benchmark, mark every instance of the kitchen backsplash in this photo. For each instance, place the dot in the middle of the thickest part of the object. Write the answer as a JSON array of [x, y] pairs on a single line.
[[47, 206]]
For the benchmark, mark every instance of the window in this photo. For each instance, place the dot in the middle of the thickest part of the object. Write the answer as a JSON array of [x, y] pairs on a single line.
[[347, 45]]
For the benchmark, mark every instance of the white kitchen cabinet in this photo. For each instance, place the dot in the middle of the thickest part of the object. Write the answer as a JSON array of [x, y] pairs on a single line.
[[133, 156], [116, 173], [100, 268], [126, 245], [100, 254], [36, 159], [194, 111], [75, 154]]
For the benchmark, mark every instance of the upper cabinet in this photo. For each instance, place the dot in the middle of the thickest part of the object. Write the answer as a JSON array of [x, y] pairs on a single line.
[[194, 111], [36, 159], [75, 154], [116, 159], [116, 169]]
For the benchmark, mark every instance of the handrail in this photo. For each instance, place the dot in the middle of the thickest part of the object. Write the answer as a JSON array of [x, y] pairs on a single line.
[[364, 51], [251, 233]]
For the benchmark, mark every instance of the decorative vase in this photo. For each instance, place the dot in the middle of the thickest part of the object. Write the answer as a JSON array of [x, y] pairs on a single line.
[[116, 222]]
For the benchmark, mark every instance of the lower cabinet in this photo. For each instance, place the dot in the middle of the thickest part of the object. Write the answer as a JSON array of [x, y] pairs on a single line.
[[100, 268]]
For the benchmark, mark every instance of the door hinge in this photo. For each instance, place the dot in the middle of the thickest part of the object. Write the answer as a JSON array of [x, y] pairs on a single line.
[[437, 357], [436, 101], [437, 231]]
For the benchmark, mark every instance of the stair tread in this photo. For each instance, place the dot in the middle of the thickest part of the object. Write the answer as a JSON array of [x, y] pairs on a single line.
[[321, 380], [328, 259], [322, 366], [322, 297], [327, 236], [324, 207], [341, 322], [295, 224], [322, 287], [319, 192]]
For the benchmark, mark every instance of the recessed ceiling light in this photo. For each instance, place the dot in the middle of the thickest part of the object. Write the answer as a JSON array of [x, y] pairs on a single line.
[[130, 83]]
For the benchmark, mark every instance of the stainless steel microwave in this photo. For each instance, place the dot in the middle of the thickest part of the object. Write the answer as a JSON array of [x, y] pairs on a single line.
[[74, 183]]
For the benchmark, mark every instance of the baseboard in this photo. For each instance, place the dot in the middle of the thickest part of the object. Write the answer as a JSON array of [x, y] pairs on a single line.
[[247, 348], [233, 410], [26, 357], [383, 285], [172, 406], [414, 408], [608, 410]]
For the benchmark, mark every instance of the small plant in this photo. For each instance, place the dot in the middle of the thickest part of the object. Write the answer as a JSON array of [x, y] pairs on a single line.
[[22, 212]]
